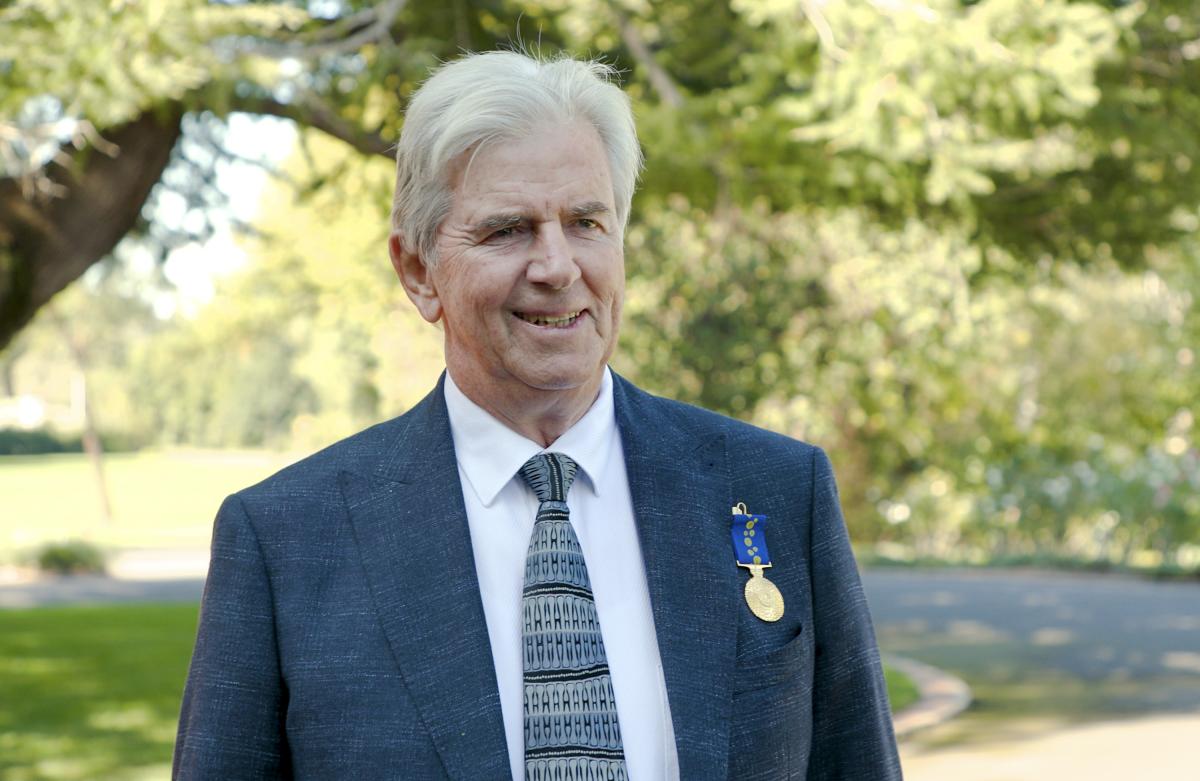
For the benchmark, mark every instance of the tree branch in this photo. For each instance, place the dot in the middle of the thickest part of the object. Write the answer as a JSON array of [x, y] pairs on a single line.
[[824, 31], [310, 111], [48, 242], [345, 36], [660, 80]]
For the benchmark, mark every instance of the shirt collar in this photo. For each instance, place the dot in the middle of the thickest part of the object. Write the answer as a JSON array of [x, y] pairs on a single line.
[[490, 453]]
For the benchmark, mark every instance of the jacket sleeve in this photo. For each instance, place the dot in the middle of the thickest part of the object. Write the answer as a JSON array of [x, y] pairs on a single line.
[[231, 723], [852, 737]]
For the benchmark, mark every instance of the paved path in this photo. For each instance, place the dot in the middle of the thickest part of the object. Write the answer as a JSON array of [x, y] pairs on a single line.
[[89, 589], [1101, 631], [1150, 748], [1076, 677], [137, 576]]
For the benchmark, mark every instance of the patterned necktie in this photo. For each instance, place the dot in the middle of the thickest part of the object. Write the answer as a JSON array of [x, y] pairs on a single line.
[[571, 730]]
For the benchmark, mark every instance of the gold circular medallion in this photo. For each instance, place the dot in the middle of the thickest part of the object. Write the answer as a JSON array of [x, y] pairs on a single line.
[[764, 599]]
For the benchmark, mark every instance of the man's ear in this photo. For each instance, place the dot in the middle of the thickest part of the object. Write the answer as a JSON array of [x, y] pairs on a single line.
[[415, 276]]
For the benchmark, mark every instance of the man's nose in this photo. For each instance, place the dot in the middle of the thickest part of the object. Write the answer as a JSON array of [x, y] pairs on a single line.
[[553, 262]]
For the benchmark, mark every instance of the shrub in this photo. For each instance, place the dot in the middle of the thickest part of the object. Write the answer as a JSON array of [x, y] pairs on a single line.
[[73, 557], [34, 442], [19, 442]]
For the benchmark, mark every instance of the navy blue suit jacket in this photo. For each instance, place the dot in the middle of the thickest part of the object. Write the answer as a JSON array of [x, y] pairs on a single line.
[[342, 635]]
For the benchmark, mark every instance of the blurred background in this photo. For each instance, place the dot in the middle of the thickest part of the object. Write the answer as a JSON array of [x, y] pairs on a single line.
[[955, 243]]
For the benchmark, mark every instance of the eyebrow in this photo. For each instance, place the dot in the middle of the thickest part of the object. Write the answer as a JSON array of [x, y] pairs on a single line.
[[511, 220], [588, 209], [498, 222]]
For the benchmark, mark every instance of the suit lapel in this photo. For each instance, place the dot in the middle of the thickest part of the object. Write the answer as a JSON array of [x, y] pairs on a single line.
[[411, 527], [681, 499]]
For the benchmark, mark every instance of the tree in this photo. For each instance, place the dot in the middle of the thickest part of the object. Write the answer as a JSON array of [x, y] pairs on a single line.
[[95, 101], [1044, 127], [873, 224], [313, 339], [78, 350]]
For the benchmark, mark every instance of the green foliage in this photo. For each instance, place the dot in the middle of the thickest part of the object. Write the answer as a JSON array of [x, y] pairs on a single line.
[[314, 340], [19, 442], [902, 692], [73, 557], [39, 441], [222, 387], [92, 692], [103, 63], [955, 406], [895, 230], [825, 326], [997, 92], [81, 345], [953, 242]]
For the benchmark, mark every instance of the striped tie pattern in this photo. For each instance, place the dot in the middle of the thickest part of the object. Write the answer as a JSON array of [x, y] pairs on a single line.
[[571, 730]]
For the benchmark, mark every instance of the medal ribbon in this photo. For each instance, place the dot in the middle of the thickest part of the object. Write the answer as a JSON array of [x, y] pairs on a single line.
[[750, 540]]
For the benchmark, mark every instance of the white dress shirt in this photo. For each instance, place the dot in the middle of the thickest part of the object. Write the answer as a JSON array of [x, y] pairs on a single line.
[[501, 511]]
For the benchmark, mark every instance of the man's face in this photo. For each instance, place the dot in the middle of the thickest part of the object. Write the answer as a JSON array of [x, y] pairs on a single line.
[[530, 274]]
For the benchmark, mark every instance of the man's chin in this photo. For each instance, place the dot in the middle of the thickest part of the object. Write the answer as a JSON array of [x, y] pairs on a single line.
[[562, 380]]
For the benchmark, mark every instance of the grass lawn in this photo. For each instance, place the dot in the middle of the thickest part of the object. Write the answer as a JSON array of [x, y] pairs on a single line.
[[902, 692], [159, 498], [93, 692]]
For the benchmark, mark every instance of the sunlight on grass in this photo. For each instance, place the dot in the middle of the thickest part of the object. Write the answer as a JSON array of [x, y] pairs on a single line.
[[92, 692], [159, 498], [902, 692]]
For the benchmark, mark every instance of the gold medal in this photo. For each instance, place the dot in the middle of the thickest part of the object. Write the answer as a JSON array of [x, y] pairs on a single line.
[[750, 546], [763, 597]]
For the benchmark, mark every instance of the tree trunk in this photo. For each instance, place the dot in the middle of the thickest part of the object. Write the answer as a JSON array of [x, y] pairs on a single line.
[[48, 242], [91, 433], [95, 452], [8, 370]]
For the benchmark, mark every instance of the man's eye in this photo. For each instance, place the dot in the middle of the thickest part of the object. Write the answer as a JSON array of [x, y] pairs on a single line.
[[587, 222], [502, 233]]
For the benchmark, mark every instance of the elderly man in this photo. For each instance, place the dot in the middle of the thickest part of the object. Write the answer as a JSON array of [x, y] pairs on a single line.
[[540, 571]]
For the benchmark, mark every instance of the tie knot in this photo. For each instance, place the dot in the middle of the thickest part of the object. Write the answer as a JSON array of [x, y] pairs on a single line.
[[549, 475]]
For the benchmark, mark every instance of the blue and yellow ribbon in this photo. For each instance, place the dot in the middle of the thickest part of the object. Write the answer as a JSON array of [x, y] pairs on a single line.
[[750, 540]]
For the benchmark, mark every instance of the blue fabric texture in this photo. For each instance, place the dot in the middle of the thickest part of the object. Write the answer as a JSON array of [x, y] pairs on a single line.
[[750, 539], [342, 634], [571, 727]]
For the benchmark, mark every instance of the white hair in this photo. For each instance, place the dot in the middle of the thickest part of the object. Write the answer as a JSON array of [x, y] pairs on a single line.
[[495, 96]]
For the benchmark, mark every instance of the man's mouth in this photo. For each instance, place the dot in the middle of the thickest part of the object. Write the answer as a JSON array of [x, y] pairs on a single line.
[[550, 321]]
